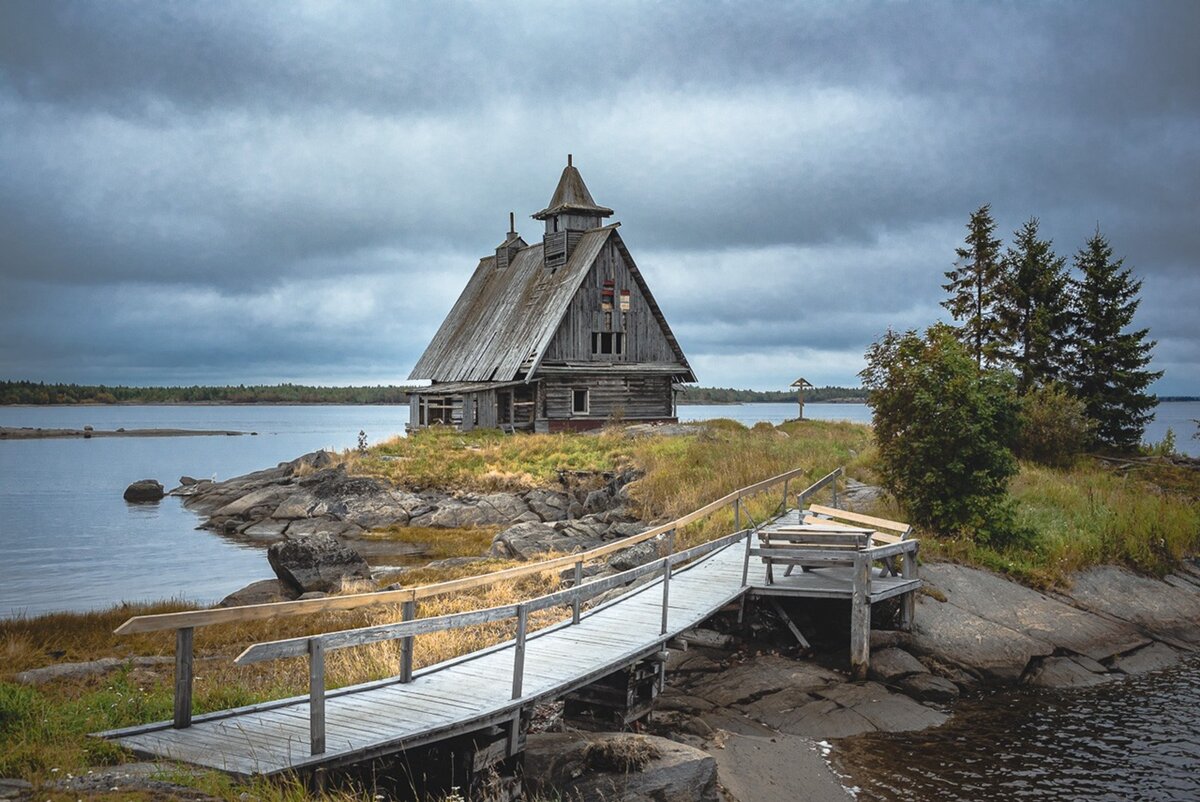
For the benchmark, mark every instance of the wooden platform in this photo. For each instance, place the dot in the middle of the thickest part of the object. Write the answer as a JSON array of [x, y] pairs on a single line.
[[473, 692]]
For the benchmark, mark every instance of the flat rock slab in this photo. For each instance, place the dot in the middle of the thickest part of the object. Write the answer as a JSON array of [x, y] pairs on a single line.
[[1063, 672], [1154, 657], [1031, 613], [822, 718], [749, 681], [779, 768], [1164, 610], [955, 635], [891, 664], [928, 688]]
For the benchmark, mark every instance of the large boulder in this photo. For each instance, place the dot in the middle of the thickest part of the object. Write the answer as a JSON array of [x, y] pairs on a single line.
[[607, 766], [316, 563], [144, 490], [264, 591], [548, 505]]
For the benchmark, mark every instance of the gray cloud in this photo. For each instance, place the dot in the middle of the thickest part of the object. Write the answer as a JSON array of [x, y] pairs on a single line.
[[255, 192]]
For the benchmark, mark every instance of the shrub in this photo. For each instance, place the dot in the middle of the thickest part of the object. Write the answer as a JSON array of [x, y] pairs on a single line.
[[1055, 428], [943, 428]]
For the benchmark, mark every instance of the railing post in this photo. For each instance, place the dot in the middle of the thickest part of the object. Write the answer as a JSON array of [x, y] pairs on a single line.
[[860, 618], [786, 482], [666, 591], [908, 602], [746, 561], [578, 595], [408, 613], [519, 650], [316, 696], [835, 496], [183, 677], [737, 513]]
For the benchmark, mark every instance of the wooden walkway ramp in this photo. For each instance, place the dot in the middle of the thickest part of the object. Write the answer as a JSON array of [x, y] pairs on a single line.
[[489, 688], [455, 697]]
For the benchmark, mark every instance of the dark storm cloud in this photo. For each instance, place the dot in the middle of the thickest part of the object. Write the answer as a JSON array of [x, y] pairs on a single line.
[[262, 191]]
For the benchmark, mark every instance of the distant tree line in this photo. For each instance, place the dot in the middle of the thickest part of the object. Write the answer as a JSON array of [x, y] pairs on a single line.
[[26, 392], [728, 395]]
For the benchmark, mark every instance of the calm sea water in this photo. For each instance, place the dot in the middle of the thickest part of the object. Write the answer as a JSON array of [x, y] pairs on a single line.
[[1135, 739]]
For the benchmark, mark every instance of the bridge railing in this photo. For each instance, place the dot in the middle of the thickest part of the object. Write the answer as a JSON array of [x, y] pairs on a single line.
[[185, 623], [314, 647]]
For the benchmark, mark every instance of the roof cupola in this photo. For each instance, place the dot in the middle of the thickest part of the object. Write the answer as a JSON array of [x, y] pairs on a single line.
[[571, 212]]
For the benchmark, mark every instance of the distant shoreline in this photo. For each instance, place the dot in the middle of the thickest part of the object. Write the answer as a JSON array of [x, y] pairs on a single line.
[[40, 433]]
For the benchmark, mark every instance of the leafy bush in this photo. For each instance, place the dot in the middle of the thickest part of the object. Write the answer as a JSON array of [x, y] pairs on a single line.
[[943, 428], [1055, 428]]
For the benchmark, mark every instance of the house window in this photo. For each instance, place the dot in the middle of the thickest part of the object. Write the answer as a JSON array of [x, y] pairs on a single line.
[[608, 343], [579, 401]]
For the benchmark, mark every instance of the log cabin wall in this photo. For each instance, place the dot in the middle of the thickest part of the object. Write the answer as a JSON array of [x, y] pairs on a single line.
[[644, 340], [628, 396]]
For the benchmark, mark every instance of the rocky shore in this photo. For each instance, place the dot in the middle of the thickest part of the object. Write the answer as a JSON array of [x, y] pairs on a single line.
[[745, 715]]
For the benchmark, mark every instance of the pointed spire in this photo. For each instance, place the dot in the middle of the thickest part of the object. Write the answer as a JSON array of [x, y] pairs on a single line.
[[572, 196]]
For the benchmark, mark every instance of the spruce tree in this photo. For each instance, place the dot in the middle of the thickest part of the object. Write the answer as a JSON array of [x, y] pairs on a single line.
[[1109, 374], [973, 285], [1034, 309]]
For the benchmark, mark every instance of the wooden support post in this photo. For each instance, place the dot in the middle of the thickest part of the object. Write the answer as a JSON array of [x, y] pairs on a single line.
[[787, 619], [183, 677], [666, 568], [834, 504], [746, 560], [316, 696], [860, 618], [408, 613], [783, 509], [576, 601], [519, 650], [737, 513], [908, 602]]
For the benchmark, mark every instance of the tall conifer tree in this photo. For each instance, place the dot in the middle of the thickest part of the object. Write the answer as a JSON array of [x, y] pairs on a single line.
[[1109, 374], [1034, 309], [973, 285]]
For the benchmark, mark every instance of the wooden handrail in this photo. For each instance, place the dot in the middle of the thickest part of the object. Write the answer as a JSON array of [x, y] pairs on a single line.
[[361, 636], [259, 612]]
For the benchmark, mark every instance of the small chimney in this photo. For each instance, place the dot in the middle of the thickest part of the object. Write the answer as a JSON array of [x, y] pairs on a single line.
[[568, 159], [511, 246]]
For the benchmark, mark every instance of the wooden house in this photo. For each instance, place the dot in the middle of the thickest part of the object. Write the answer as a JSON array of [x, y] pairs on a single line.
[[560, 335]]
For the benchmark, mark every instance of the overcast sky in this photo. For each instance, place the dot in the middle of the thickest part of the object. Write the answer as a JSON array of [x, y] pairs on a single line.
[[268, 191]]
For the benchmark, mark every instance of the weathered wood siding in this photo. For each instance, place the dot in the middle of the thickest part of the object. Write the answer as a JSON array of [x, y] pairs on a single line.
[[632, 396], [645, 340]]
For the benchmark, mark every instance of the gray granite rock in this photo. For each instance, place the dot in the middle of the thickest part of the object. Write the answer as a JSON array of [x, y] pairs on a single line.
[[316, 563], [1154, 657], [928, 688], [1063, 672], [891, 664]]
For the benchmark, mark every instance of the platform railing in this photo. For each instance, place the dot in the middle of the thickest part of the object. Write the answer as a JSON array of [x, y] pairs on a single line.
[[185, 623]]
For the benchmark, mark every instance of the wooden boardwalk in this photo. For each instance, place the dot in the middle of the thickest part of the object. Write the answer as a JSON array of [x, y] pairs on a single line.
[[455, 697], [490, 688]]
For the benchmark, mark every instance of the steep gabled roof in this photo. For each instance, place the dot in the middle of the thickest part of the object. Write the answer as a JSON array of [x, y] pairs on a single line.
[[571, 195], [505, 319]]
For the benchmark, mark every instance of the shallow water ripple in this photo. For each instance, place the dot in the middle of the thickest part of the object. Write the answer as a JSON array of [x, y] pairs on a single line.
[[1135, 739]]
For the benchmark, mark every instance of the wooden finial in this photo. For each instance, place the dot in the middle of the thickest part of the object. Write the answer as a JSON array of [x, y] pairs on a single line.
[[568, 159]]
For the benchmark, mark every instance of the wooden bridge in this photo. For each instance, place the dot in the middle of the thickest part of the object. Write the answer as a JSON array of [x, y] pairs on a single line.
[[487, 690]]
